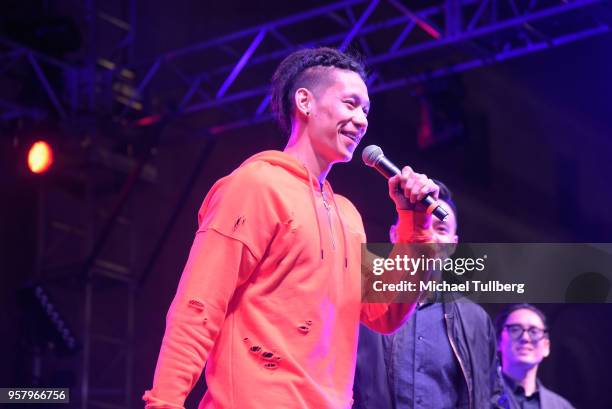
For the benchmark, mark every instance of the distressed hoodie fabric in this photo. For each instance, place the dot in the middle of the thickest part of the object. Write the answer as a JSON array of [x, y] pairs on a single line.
[[270, 296]]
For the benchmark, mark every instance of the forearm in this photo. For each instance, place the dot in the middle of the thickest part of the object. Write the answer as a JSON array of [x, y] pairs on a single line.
[[188, 340], [386, 318], [413, 227], [393, 310], [196, 316]]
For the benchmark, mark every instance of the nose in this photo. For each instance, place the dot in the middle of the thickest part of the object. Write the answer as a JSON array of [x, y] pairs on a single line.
[[361, 121], [525, 337]]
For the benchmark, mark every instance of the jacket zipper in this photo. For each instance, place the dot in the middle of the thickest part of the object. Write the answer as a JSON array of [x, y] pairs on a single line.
[[329, 219], [461, 364]]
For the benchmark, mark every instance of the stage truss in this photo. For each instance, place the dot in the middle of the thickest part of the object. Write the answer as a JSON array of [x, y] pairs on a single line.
[[226, 80]]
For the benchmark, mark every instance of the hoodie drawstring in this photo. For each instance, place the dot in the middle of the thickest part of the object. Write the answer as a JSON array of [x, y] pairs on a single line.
[[341, 226], [316, 210]]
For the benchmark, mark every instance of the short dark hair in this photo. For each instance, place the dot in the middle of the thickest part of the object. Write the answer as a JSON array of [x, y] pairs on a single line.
[[502, 317], [293, 73], [447, 196]]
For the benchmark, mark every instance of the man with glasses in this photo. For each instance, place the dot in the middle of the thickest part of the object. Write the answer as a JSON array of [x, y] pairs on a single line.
[[523, 343]]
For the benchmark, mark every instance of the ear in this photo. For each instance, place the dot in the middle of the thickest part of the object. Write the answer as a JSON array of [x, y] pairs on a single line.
[[393, 233], [545, 347], [303, 100]]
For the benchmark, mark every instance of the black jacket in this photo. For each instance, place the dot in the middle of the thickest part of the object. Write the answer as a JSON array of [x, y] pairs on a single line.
[[471, 329], [472, 338]]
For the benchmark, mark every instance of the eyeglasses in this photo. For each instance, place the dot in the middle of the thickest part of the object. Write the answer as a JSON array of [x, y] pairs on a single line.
[[516, 332]]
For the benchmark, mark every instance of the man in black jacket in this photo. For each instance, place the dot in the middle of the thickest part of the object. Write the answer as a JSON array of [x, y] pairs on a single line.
[[444, 356]]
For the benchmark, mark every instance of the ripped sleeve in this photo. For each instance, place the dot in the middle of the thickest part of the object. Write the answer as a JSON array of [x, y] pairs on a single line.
[[217, 265], [387, 317]]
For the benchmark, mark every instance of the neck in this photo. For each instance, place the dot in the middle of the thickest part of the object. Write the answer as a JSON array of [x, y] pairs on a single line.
[[300, 147], [524, 376]]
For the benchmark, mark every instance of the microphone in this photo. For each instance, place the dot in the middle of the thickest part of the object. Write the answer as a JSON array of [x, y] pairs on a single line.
[[373, 156]]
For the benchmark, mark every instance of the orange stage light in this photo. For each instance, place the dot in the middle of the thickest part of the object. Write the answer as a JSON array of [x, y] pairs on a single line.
[[40, 157]]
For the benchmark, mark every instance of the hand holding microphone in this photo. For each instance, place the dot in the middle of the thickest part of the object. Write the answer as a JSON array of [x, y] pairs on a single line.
[[408, 189]]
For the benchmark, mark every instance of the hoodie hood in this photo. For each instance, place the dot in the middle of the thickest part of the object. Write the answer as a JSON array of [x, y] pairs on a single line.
[[287, 162]]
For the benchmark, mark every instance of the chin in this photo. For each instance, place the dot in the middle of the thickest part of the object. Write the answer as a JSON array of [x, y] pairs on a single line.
[[342, 157], [347, 158], [348, 153], [527, 362]]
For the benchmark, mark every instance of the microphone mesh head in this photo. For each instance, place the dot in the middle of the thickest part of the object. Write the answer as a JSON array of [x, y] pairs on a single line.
[[370, 154]]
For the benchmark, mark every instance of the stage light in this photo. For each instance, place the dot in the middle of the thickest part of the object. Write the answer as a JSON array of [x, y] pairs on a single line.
[[148, 120], [45, 321], [40, 157]]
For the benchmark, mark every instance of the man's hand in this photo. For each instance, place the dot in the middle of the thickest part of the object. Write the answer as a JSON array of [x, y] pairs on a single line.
[[408, 189]]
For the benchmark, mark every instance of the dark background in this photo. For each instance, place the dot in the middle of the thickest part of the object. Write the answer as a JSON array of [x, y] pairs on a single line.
[[533, 165]]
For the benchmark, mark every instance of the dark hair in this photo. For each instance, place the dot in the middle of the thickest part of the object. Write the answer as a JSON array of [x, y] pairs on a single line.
[[293, 73], [447, 196], [502, 317]]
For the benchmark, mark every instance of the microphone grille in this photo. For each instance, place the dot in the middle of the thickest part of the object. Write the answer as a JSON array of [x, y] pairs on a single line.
[[370, 154]]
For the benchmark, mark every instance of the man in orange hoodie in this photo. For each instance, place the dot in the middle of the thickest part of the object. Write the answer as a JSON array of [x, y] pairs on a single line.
[[270, 297]]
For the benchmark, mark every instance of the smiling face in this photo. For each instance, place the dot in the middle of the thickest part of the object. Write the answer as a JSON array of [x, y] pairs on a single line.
[[522, 352], [337, 117]]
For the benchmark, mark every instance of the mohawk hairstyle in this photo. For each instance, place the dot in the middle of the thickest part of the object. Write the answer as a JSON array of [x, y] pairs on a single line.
[[299, 69]]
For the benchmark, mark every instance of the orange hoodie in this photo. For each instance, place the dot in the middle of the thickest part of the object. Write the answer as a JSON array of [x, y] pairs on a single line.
[[270, 295]]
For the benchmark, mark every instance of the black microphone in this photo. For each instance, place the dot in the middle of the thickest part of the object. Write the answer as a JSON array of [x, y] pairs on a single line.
[[373, 156]]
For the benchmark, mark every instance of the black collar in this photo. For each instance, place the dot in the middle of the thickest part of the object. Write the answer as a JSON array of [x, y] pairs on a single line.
[[517, 389]]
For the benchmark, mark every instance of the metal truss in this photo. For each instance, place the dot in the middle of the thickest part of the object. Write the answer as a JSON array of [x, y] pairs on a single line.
[[404, 45], [15, 60], [226, 80], [68, 232], [34, 86]]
